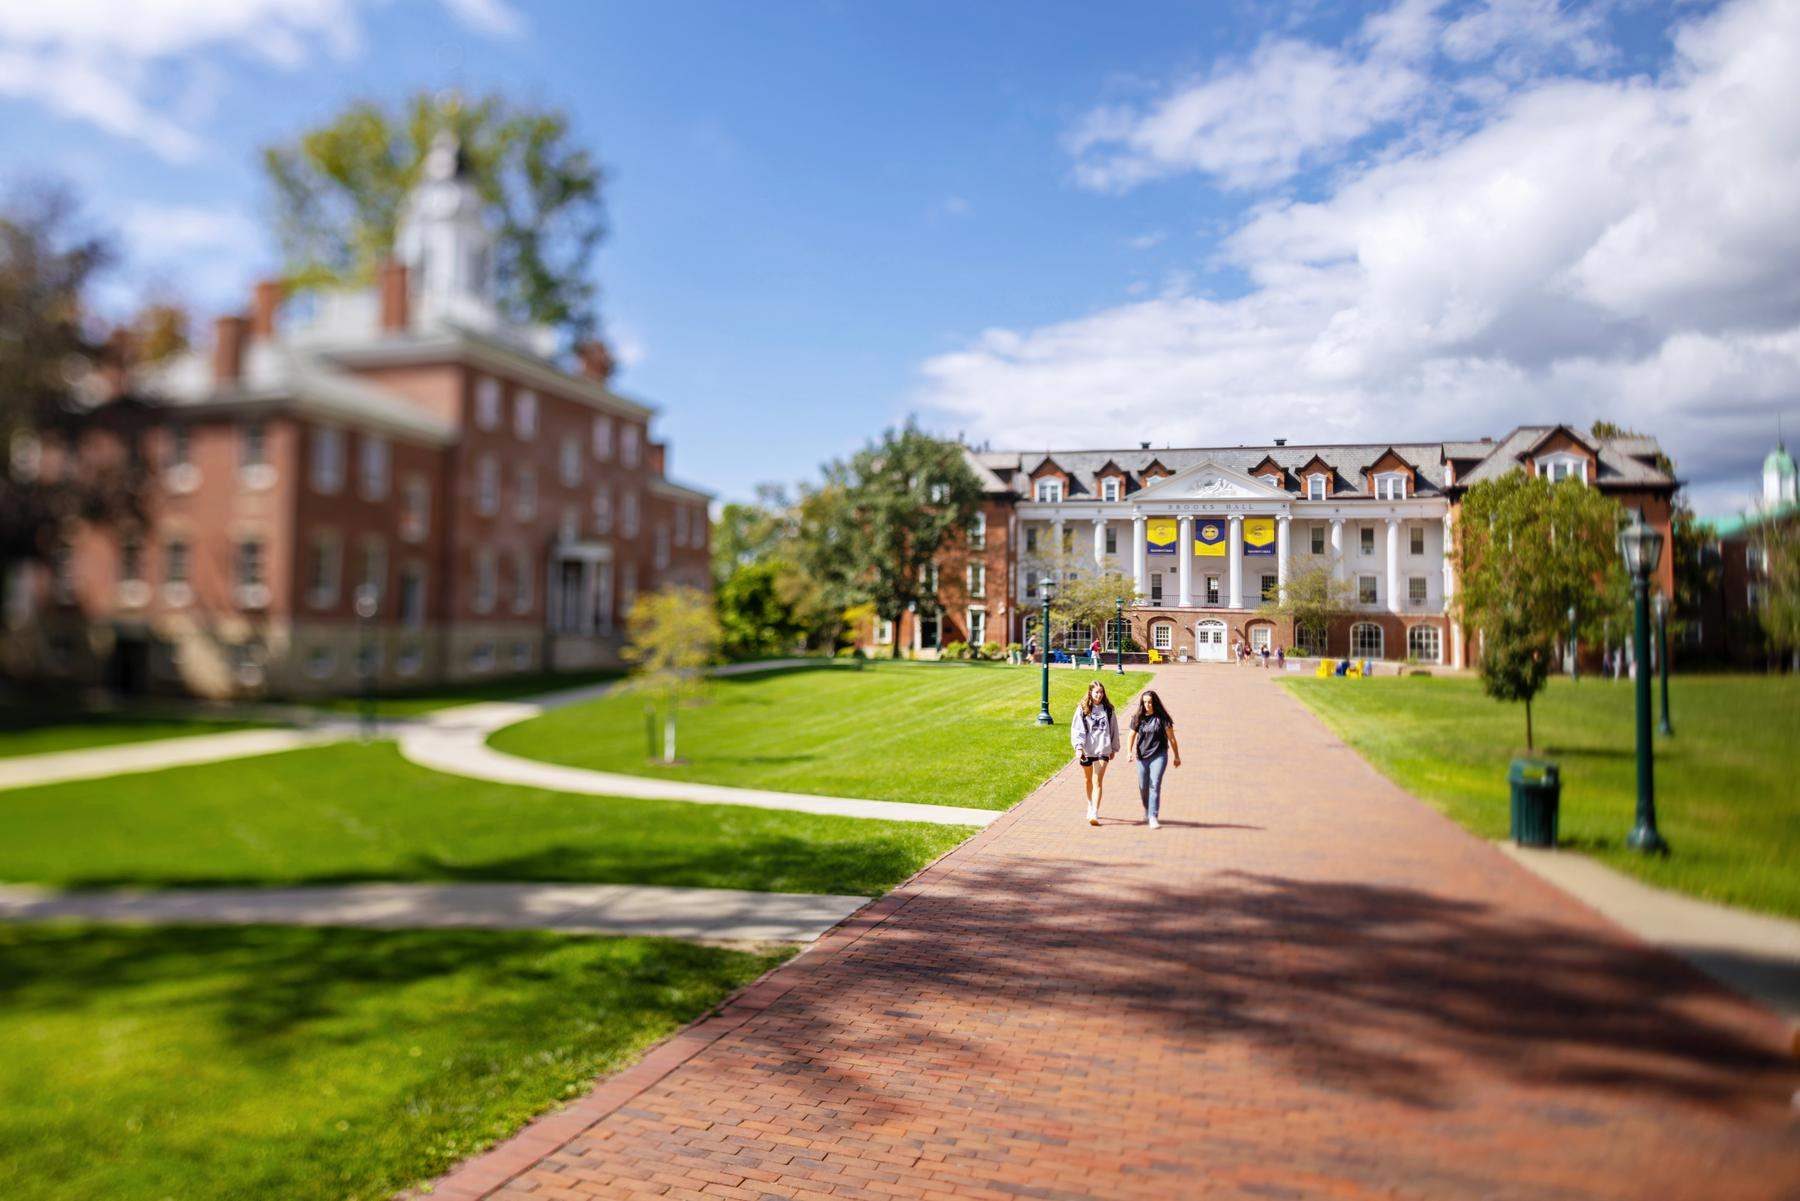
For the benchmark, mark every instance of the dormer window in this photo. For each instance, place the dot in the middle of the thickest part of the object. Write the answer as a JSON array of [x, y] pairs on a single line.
[[1273, 481], [1390, 485], [1315, 487], [1049, 491], [1557, 468], [1109, 488]]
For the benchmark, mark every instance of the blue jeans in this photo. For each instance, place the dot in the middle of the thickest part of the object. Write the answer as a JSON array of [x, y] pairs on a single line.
[[1150, 777]]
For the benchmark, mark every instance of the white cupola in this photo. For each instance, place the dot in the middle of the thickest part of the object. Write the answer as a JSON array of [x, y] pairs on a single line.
[[1781, 482], [444, 241]]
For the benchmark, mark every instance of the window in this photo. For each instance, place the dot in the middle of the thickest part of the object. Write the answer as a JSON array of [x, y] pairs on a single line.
[[1112, 540], [487, 403], [1109, 488], [603, 438], [248, 567], [629, 517], [409, 660], [1162, 636], [487, 486], [1390, 486], [374, 467], [938, 493], [1366, 539], [521, 582], [1049, 491], [931, 630], [1156, 591], [1416, 591], [481, 657], [1417, 535], [630, 440], [1422, 643], [521, 655], [1273, 481], [1318, 540], [412, 596], [977, 626], [484, 580], [569, 528], [571, 462], [525, 414], [131, 559], [1031, 542], [175, 562], [1068, 541], [1557, 468], [327, 459], [1366, 593], [415, 520], [1315, 487], [253, 445], [931, 578], [978, 533], [1268, 587], [1212, 589], [1365, 640], [884, 631], [180, 447], [374, 567], [321, 662], [1080, 636], [1031, 585], [976, 578], [322, 564], [603, 511], [525, 499], [1310, 640], [662, 546], [681, 525]]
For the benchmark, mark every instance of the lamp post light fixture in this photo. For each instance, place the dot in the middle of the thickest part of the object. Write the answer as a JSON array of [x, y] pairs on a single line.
[[1119, 650], [1641, 548], [1574, 648], [368, 600], [1662, 661], [1043, 717]]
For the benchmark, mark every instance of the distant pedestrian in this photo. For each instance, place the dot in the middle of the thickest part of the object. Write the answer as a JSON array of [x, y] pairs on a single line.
[[1263, 653], [1094, 650], [1094, 733], [1152, 745], [1031, 648], [1281, 658]]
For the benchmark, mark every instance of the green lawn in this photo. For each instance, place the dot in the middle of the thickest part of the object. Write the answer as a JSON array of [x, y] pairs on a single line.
[[214, 1064], [349, 812], [1727, 784], [64, 730], [414, 702], [941, 734]]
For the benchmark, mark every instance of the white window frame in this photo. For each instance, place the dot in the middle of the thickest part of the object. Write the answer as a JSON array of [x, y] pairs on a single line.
[[525, 497], [1359, 642], [975, 577], [1269, 586], [884, 632], [1365, 540], [1048, 492], [603, 510], [487, 403], [1156, 587], [570, 464], [1273, 481], [978, 532], [1318, 543], [1162, 636], [1561, 466], [374, 466], [1212, 590], [1413, 637], [1368, 590], [1418, 590], [631, 441], [1390, 485], [525, 415], [603, 438], [1109, 488], [976, 625], [1315, 486], [1416, 539], [327, 474], [487, 485]]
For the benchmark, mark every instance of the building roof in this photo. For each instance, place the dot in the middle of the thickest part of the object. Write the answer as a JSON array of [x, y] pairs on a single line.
[[1742, 523], [1621, 460]]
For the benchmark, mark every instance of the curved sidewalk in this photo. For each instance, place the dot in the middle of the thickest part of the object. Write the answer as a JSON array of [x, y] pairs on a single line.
[[1306, 984]]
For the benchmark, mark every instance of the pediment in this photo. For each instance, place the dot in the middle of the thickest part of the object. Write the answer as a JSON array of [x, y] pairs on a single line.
[[1209, 481]]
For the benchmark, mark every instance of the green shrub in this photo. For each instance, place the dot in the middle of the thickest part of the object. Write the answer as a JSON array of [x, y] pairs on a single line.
[[991, 650], [955, 650]]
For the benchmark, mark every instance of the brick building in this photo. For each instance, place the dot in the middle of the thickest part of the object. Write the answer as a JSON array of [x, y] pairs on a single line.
[[1728, 627], [406, 441], [1207, 532]]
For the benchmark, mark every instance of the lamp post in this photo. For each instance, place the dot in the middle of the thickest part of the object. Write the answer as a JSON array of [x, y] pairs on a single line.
[[1574, 649], [1043, 717], [1641, 548], [367, 601], [1662, 661], [1119, 653]]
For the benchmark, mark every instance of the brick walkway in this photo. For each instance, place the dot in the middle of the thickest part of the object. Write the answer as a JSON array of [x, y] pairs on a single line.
[[1305, 985]]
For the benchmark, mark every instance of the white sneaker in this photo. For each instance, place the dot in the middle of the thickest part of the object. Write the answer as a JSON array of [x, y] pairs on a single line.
[[1155, 825], [1093, 814]]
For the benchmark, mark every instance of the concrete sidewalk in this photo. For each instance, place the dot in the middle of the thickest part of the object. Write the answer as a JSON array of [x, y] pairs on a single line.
[[92, 763], [700, 914], [1306, 984]]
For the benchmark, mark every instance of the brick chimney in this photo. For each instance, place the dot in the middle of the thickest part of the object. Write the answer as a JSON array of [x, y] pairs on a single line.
[[265, 307], [596, 361], [394, 302], [228, 348], [655, 455]]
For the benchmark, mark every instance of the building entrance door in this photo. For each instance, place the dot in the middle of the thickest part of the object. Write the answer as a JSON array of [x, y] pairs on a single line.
[[1260, 638], [1209, 642]]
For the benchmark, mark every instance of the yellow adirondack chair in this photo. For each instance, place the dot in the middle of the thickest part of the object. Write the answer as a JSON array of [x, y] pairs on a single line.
[[1323, 670], [1155, 655]]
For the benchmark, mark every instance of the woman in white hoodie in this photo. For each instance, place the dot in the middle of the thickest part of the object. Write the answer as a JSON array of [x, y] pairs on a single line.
[[1094, 733]]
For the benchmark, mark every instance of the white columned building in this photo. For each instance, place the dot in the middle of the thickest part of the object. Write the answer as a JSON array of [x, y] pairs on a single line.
[[1184, 551], [1140, 554], [1393, 564], [1234, 559]]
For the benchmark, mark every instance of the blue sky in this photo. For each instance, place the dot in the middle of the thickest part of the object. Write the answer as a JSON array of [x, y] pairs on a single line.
[[1042, 224]]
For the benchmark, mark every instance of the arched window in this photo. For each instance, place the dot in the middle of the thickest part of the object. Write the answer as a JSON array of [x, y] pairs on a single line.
[[1423, 643], [1365, 640], [1310, 640]]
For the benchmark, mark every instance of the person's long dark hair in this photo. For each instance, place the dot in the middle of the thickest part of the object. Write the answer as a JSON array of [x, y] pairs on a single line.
[[1148, 702]]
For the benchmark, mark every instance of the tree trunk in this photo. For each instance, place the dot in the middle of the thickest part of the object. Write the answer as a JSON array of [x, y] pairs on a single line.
[[1528, 745], [669, 736]]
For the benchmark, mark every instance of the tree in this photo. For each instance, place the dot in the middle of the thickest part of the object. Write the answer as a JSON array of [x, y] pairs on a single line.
[[880, 519], [1697, 573], [1778, 609], [1515, 662], [59, 368], [673, 635], [1090, 600], [339, 189], [754, 617], [1313, 595]]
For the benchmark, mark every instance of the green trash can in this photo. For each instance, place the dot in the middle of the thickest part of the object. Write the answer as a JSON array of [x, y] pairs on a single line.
[[1536, 796]]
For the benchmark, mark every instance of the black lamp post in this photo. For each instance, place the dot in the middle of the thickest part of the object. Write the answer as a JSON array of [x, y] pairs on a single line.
[[1662, 661], [1043, 717], [1119, 654], [367, 601], [1641, 548], [1574, 649]]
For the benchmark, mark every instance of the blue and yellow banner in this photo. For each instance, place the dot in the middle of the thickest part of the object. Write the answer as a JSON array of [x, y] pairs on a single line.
[[1160, 534], [1259, 536], [1210, 535]]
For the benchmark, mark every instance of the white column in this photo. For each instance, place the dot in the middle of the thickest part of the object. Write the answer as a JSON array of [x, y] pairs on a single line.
[[1140, 554], [1337, 548], [1393, 564], [1184, 559], [1281, 554], [1234, 554], [1100, 544], [1056, 535], [1456, 634]]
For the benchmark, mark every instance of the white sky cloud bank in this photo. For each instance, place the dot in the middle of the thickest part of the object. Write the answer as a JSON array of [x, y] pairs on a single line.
[[1622, 248]]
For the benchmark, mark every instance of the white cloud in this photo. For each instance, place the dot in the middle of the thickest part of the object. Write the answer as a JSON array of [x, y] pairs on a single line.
[[89, 61], [1592, 248], [200, 254]]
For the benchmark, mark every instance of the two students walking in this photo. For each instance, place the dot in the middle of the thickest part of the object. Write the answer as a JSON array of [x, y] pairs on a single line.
[[1094, 733]]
